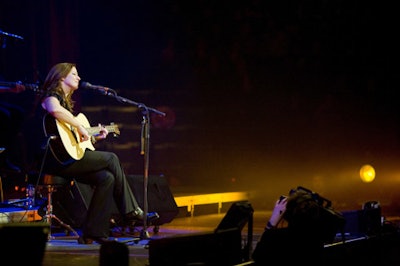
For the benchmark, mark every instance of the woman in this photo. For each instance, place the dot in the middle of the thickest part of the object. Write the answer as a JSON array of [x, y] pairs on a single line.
[[100, 169]]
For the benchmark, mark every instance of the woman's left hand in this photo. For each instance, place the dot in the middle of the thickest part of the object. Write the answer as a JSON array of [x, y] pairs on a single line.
[[102, 133]]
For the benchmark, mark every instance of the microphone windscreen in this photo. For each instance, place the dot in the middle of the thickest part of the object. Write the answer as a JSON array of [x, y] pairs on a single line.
[[85, 85]]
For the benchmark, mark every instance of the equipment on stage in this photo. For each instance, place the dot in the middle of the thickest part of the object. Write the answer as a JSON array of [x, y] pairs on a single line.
[[51, 183], [160, 198], [367, 221], [71, 202], [221, 247], [239, 215], [18, 86], [23, 243]]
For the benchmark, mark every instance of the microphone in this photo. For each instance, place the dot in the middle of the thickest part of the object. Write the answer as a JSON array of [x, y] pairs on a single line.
[[101, 89]]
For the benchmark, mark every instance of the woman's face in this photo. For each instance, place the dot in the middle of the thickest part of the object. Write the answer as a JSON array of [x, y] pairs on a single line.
[[72, 79]]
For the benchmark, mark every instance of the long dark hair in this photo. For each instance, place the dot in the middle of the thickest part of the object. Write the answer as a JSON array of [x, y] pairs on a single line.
[[309, 217], [52, 82]]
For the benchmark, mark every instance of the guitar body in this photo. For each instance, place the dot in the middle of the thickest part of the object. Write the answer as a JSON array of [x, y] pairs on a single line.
[[66, 148]]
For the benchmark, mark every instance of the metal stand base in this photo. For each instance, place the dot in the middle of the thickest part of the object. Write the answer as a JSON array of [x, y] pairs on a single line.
[[49, 217]]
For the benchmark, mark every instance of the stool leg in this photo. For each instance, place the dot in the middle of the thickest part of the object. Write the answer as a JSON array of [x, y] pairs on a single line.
[[50, 216], [49, 208]]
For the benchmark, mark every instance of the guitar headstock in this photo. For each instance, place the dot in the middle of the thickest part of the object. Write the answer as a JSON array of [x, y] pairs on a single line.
[[114, 129]]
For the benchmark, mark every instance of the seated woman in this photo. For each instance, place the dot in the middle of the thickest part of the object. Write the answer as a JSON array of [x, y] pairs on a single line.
[[100, 169]]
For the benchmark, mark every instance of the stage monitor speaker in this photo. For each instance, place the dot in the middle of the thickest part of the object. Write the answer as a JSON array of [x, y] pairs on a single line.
[[364, 222], [114, 253], [371, 217], [71, 203], [214, 248], [159, 196], [238, 215], [23, 243]]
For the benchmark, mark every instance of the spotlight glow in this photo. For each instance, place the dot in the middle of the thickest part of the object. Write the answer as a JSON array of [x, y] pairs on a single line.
[[367, 173]]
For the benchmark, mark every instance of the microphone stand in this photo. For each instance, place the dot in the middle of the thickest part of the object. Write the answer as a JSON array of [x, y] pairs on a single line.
[[145, 144]]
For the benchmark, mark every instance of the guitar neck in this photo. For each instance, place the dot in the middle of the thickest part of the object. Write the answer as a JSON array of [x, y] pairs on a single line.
[[96, 130]]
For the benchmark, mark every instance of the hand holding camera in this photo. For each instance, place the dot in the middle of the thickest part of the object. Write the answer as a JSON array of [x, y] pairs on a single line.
[[277, 213]]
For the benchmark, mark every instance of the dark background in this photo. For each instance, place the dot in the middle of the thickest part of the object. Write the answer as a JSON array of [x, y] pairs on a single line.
[[259, 95]]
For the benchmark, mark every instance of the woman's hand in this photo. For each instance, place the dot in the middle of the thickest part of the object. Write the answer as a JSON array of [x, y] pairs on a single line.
[[277, 213], [103, 132], [83, 133]]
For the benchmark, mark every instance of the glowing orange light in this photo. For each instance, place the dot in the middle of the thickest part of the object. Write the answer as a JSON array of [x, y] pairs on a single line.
[[367, 173]]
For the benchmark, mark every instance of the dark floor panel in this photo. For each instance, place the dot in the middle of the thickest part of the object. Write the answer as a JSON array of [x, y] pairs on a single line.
[[69, 252]]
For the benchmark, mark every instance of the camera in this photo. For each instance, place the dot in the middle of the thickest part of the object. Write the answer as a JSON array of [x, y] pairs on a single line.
[[281, 198]]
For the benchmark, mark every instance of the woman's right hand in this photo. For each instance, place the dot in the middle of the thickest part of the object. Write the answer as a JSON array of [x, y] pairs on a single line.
[[83, 133], [279, 210]]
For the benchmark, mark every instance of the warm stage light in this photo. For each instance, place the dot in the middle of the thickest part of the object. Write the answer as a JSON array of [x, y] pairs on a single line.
[[367, 173]]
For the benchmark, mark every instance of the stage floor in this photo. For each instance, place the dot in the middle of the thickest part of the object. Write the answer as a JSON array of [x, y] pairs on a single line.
[[68, 252], [61, 250]]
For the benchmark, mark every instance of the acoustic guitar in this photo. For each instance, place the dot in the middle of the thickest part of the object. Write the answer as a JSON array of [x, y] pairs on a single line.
[[65, 144]]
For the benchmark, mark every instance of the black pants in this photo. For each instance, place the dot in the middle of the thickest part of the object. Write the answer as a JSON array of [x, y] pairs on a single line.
[[103, 171]]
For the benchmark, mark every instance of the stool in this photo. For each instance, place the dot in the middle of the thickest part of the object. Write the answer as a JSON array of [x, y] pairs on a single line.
[[51, 183]]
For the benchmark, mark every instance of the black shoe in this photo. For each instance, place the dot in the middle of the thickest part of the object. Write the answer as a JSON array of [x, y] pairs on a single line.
[[152, 216], [87, 240], [138, 215]]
